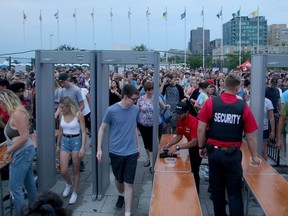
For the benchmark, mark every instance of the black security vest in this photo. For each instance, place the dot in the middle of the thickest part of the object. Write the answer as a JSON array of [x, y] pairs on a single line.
[[226, 123]]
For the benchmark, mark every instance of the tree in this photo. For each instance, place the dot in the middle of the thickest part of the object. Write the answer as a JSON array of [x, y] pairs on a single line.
[[66, 47], [142, 47], [194, 61]]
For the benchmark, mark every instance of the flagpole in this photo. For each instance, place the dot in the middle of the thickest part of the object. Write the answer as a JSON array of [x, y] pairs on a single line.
[[222, 51], [40, 18], [111, 20], [75, 21], [58, 29], [240, 36], [258, 31], [24, 32], [203, 47], [93, 30], [129, 17], [148, 28], [185, 39], [166, 34]]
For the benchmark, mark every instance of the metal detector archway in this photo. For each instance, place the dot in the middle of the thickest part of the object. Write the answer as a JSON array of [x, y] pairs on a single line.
[[258, 76], [104, 59], [45, 61]]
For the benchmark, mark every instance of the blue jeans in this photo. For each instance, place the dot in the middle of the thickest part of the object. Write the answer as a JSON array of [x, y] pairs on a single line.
[[21, 174]]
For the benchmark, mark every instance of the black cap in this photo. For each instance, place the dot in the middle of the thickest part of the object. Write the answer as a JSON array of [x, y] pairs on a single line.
[[63, 76], [182, 107]]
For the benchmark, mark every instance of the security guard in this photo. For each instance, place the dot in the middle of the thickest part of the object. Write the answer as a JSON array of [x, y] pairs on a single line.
[[226, 118]]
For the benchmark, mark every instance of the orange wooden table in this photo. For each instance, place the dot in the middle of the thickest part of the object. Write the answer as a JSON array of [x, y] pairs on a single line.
[[173, 194], [183, 159], [271, 192], [2, 165], [263, 169]]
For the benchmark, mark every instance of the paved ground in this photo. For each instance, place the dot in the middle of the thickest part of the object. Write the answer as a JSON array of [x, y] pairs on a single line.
[[143, 187]]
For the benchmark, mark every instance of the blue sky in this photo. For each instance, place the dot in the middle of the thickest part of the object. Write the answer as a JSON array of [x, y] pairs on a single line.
[[16, 37]]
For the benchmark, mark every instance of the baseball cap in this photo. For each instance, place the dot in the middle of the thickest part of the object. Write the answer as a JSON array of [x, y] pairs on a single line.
[[182, 107], [63, 76]]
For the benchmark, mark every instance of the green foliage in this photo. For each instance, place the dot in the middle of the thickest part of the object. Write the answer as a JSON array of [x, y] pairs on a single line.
[[232, 60], [66, 47], [142, 47], [195, 61]]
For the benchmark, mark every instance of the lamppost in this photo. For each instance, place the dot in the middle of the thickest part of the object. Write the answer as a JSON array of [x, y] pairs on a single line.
[[51, 35]]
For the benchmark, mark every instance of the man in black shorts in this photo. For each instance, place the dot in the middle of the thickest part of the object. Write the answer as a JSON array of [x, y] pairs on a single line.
[[121, 118]]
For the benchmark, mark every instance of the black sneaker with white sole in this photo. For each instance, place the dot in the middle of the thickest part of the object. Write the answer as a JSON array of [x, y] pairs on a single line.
[[120, 202]]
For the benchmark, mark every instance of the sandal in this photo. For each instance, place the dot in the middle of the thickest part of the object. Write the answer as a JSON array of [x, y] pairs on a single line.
[[147, 163]]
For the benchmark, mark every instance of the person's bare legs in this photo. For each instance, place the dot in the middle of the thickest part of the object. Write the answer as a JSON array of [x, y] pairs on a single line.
[[119, 186], [264, 150], [128, 196]]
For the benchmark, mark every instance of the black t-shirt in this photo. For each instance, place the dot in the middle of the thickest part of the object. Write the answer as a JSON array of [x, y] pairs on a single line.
[[273, 94]]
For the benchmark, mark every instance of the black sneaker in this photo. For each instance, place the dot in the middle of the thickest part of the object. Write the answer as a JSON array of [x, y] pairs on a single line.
[[120, 202], [82, 166]]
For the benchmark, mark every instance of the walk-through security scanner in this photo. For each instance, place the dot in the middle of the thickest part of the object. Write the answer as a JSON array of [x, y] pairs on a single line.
[[258, 78], [45, 61], [104, 60], [99, 62]]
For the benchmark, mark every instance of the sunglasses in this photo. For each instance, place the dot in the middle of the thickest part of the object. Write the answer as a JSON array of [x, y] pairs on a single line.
[[134, 99], [149, 89]]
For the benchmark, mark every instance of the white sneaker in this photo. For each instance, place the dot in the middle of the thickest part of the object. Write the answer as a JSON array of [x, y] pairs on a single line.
[[67, 190], [73, 198]]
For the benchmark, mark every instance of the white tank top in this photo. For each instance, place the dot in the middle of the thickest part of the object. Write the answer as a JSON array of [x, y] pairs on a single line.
[[71, 128]]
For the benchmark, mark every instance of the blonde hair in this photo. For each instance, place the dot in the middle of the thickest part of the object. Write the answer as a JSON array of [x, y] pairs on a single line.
[[12, 102], [68, 102]]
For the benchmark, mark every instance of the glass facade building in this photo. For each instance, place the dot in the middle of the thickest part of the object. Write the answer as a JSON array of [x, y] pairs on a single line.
[[249, 31]]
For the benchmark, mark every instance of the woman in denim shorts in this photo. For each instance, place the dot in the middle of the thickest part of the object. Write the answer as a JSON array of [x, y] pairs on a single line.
[[20, 149], [72, 140]]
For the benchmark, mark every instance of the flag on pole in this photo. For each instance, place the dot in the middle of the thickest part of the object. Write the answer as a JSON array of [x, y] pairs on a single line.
[[219, 14], [129, 14], [111, 14], [183, 15], [254, 13], [147, 12], [74, 14], [165, 15], [56, 15], [40, 16], [92, 13], [237, 14], [24, 16]]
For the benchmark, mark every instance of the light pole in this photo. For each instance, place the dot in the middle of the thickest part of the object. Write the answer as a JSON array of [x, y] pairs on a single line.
[[51, 35]]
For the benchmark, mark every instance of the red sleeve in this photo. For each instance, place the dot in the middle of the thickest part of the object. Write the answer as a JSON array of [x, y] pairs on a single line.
[[205, 113], [250, 124]]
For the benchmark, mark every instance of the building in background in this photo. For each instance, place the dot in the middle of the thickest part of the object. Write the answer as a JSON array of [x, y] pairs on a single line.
[[195, 44]]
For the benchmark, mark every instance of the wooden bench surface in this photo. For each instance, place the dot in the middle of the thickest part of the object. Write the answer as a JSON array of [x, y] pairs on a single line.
[[264, 168], [271, 192], [2, 152], [183, 160], [174, 194]]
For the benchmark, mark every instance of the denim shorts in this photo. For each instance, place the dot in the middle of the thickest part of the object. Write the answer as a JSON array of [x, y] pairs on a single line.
[[72, 144]]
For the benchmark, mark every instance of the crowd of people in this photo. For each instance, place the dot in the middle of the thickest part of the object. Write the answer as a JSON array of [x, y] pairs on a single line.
[[195, 98]]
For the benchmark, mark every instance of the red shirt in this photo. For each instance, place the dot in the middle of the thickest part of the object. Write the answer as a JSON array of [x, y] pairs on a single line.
[[188, 127], [5, 114], [249, 123]]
